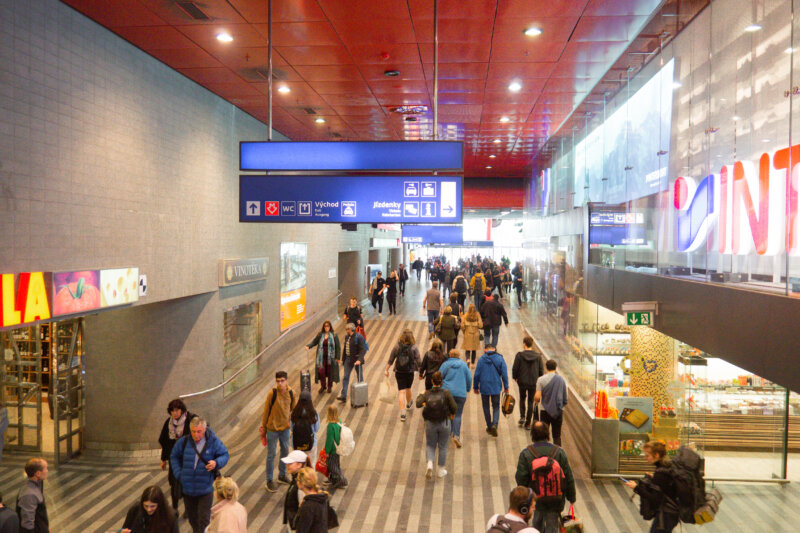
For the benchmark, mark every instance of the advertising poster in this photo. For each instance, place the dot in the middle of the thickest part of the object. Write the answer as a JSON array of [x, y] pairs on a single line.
[[76, 292], [119, 286], [293, 283], [635, 414]]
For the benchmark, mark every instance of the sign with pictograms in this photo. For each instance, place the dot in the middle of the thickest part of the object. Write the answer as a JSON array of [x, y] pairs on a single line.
[[639, 318], [271, 209]]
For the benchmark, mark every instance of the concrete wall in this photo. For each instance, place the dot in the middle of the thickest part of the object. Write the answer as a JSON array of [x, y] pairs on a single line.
[[109, 158]]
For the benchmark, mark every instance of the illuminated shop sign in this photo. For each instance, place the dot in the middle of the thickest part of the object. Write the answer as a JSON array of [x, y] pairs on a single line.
[[25, 301], [752, 207]]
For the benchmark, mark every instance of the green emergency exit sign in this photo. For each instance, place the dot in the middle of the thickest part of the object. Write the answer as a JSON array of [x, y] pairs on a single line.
[[639, 318]]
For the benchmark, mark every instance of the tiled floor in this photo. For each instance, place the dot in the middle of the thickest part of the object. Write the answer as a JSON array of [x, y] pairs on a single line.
[[388, 491]]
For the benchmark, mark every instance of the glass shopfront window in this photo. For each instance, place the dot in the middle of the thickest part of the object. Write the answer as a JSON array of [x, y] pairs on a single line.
[[241, 342]]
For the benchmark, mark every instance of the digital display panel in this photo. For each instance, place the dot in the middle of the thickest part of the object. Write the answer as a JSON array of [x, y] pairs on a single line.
[[360, 155], [616, 227]]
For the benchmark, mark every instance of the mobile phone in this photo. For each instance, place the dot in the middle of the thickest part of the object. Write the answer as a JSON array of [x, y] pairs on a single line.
[[623, 480]]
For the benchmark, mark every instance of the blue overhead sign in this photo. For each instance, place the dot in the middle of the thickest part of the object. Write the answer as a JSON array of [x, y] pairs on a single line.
[[348, 156], [350, 199], [421, 234]]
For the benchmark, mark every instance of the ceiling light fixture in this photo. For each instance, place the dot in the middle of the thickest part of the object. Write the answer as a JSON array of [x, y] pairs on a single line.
[[788, 50], [488, 166], [752, 27], [532, 31], [735, 117], [497, 141], [319, 120], [676, 85], [391, 73], [515, 87], [492, 156], [284, 89], [504, 119], [224, 37]]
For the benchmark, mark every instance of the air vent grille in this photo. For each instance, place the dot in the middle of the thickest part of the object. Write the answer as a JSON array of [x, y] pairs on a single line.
[[191, 9], [260, 74], [310, 110]]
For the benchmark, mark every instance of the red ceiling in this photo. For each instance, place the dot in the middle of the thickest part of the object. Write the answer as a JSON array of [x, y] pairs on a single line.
[[332, 54]]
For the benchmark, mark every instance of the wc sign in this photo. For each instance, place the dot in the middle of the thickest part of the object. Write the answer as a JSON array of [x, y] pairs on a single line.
[[748, 207]]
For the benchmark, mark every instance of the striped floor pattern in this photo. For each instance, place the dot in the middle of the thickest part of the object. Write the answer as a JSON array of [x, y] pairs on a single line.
[[388, 491]]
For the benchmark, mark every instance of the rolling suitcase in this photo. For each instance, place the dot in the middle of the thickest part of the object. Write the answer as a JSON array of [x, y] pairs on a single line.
[[305, 380], [359, 396]]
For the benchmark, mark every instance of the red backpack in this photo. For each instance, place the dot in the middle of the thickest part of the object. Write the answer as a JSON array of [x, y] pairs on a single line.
[[547, 476]]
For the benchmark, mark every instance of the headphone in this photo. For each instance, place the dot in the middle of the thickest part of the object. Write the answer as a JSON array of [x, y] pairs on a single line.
[[526, 507]]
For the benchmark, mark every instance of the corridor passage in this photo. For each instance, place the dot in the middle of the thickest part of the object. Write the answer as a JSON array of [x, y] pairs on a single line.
[[388, 491]]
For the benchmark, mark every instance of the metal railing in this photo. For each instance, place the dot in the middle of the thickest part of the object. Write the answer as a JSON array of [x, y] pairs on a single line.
[[713, 480], [265, 350]]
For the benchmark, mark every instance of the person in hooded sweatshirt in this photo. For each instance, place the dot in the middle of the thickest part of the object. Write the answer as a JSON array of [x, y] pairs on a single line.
[[312, 517], [491, 378], [527, 368]]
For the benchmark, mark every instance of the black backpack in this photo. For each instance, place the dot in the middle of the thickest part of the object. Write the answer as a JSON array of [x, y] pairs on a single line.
[[690, 487], [302, 436], [507, 526], [435, 408], [403, 363], [461, 285], [650, 497]]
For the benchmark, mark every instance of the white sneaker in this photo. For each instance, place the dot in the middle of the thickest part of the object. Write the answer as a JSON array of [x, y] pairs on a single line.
[[429, 472], [442, 472]]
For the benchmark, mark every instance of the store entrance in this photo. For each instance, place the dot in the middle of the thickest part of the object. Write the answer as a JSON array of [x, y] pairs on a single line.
[[42, 386]]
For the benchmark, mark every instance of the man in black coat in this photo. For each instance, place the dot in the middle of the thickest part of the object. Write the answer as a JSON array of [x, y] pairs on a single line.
[[9, 521], [493, 314], [528, 367], [402, 277]]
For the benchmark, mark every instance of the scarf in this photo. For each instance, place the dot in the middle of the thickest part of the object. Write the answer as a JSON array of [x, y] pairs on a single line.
[[331, 348], [176, 426]]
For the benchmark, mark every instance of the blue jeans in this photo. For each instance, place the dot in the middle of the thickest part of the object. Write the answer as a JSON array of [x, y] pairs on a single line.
[[494, 333], [432, 316], [348, 367], [272, 442], [3, 428], [494, 418], [456, 425], [477, 301], [437, 435]]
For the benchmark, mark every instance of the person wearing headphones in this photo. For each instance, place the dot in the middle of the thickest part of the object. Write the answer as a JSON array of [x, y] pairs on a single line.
[[521, 505]]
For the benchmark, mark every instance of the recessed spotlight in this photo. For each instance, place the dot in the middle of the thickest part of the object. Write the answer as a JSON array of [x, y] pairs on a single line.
[[319, 120], [284, 89], [736, 117], [504, 119], [515, 87], [492, 156], [764, 140], [391, 73], [497, 141], [224, 37], [532, 31], [488, 166], [752, 27]]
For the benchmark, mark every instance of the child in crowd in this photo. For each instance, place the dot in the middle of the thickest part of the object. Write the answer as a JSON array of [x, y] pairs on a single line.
[[333, 436]]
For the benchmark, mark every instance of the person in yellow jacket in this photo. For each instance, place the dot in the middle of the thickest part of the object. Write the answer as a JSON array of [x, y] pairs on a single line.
[[477, 284]]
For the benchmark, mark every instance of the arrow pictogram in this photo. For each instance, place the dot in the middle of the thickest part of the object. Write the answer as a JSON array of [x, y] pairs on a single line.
[[271, 208]]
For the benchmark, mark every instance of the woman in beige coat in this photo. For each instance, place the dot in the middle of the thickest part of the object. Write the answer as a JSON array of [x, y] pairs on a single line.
[[472, 325], [227, 515]]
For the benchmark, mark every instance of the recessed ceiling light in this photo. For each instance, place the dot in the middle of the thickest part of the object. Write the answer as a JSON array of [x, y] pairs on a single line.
[[391, 73], [532, 31], [515, 87], [492, 156], [488, 166], [764, 140], [497, 141], [752, 27], [224, 37], [504, 119], [284, 89], [319, 120], [736, 117]]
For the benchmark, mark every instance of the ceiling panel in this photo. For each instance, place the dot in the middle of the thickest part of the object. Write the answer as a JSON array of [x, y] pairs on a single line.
[[333, 56]]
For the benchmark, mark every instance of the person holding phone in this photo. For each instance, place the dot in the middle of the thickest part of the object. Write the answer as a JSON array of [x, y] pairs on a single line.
[[151, 514]]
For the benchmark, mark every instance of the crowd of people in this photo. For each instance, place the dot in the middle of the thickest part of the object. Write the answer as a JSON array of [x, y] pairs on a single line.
[[291, 428]]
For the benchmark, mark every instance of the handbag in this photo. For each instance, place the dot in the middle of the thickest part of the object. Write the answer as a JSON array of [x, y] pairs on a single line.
[[570, 524], [322, 463], [333, 518], [480, 336], [387, 393]]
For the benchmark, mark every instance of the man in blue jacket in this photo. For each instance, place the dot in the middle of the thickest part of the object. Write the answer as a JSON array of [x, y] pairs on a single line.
[[491, 378], [194, 462]]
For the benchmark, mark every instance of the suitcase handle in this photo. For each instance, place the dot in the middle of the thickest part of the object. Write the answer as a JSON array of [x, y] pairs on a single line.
[[360, 373]]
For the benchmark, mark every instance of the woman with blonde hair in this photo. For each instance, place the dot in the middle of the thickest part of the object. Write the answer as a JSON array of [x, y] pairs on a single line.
[[313, 514], [227, 515], [472, 325], [447, 329], [405, 358], [333, 435]]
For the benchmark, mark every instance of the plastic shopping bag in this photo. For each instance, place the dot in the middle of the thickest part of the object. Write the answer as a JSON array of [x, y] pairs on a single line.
[[387, 392]]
